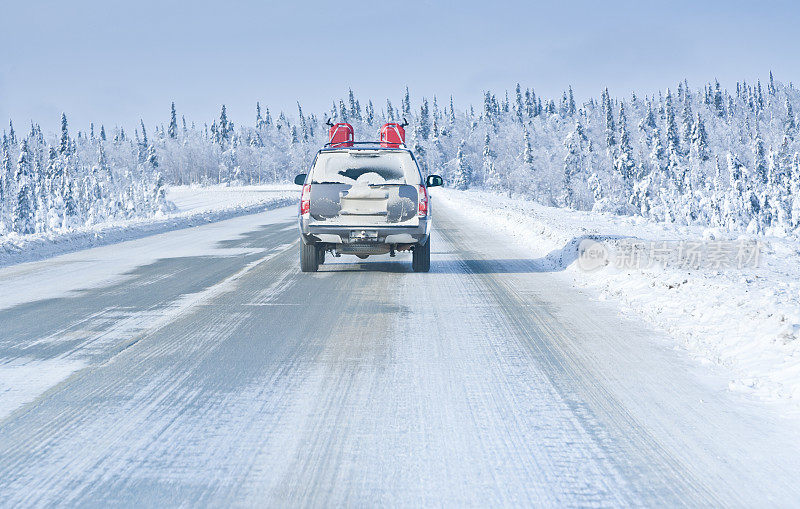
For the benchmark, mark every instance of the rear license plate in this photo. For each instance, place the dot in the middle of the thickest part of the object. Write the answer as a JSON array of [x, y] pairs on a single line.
[[363, 235]]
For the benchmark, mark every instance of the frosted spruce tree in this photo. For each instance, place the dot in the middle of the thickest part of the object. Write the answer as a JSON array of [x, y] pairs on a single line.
[[623, 160], [462, 174], [22, 218], [609, 117], [424, 121], [64, 144], [493, 178], [172, 131], [5, 186], [574, 163]]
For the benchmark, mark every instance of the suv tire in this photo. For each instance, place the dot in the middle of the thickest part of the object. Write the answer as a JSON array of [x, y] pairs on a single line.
[[421, 257], [309, 257]]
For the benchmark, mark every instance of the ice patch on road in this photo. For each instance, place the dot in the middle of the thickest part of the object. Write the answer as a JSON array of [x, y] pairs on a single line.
[[23, 380], [67, 274], [109, 331]]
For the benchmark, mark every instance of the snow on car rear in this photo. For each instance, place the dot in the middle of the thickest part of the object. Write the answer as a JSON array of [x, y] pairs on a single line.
[[364, 187]]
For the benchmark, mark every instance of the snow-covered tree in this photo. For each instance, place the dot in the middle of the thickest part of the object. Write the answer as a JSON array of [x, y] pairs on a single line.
[[759, 157], [64, 145], [462, 174], [670, 126], [574, 162], [609, 117], [173, 122], [719, 104], [22, 217], [424, 121], [519, 106], [5, 186], [699, 139], [790, 125], [492, 177], [571, 109], [222, 128], [623, 161], [259, 118], [12, 136], [370, 113]]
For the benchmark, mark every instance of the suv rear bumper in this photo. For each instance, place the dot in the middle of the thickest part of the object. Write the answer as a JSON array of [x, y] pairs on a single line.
[[381, 237]]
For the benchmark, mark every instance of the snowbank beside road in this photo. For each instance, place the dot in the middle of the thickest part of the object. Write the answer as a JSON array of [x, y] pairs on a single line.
[[745, 318], [198, 199], [194, 206]]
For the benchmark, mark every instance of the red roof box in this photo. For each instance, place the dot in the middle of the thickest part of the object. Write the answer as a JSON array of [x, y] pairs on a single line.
[[392, 135], [341, 135]]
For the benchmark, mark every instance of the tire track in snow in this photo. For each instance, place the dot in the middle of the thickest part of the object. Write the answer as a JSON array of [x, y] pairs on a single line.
[[652, 406], [70, 420]]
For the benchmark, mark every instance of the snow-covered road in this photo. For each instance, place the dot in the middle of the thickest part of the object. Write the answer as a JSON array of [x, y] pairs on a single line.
[[200, 367]]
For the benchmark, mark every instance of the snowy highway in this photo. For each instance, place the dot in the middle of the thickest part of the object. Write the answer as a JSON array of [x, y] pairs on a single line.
[[200, 367]]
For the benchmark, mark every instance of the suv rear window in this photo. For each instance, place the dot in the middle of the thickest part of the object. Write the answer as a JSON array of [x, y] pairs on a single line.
[[365, 167]]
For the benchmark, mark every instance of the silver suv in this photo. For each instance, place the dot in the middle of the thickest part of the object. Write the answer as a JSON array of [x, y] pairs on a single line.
[[365, 199]]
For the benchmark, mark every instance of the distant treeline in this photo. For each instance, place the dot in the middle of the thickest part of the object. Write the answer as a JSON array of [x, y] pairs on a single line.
[[706, 156]]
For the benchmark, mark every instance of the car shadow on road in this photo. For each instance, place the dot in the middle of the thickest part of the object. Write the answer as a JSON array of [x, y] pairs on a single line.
[[556, 260], [486, 266], [399, 266], [453, 266]]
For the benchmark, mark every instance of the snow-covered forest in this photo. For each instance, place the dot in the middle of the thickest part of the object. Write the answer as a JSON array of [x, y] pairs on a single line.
[[63, 183], [706, 155]]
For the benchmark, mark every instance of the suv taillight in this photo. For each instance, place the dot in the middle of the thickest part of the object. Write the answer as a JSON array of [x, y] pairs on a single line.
[[422, 198], [305, 200]]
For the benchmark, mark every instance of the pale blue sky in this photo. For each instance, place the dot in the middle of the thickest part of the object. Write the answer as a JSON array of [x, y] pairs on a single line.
[[114, 62]]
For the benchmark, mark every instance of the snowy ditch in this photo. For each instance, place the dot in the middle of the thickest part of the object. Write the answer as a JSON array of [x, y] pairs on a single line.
[[727, 299]]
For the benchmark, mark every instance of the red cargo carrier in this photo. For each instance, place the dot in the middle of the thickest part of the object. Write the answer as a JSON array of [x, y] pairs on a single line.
[[392, 135], [341, 135]]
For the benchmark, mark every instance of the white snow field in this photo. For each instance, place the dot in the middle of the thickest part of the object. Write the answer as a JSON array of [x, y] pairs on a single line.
[[194, 205], [200, 367], [746, 319]]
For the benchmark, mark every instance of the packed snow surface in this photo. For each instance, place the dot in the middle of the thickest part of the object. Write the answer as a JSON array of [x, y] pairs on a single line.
[[200, 367], [67, 276]]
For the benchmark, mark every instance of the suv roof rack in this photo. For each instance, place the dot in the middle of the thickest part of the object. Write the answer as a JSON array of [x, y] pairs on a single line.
[[364, 145]]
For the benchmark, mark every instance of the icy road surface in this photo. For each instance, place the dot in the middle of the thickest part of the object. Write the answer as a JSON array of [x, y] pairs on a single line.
[[200, 367]]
